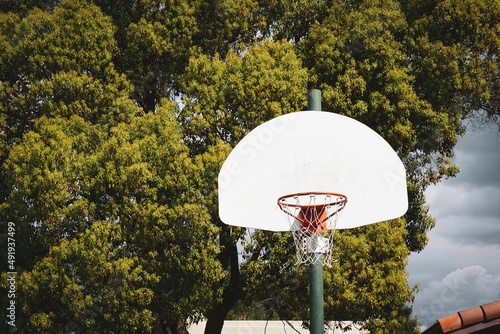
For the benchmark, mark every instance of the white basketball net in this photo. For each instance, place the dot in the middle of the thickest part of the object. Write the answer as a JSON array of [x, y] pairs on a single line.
[[312, 218]]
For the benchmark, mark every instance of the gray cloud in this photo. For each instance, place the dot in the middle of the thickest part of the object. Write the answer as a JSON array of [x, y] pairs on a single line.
[[459, 268], [468, 287], [460, 200], [478, 156]]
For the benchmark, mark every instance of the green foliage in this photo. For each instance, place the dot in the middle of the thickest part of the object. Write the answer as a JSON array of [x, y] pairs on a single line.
[[367, 284], [454, 47], [158, 46], [67, 177], [364, 73], [276, 284], [157, 38], [44, 175], [88, 284], [226, 98], [62, 69]]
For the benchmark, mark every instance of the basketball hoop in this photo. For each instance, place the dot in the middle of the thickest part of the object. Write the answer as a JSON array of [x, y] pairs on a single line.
[[312, 217]]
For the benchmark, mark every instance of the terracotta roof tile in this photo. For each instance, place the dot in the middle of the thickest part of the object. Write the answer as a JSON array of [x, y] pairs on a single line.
[[491, 310], [450, 323], [471, 316]]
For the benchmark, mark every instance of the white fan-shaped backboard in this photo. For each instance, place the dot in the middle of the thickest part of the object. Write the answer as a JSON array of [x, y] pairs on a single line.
[[311, 151]]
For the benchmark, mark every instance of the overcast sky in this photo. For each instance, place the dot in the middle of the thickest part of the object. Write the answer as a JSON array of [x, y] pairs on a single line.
[[460, 266]]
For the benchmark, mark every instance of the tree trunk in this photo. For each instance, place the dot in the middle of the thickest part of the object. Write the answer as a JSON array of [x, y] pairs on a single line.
[[231, 294]]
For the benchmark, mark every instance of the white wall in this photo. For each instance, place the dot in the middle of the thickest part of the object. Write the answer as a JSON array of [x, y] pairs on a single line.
[[264, 327]]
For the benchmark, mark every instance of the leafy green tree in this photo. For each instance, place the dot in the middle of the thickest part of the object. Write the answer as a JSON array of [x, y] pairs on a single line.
[[139, 178], [61, 69], [54, 69], [159, 201], [157, 38], [212, 111], [81, 157], [369, 284], [224, 99], [359, 56], [366, 284], [87, 284], [363, 72], [455, 47]]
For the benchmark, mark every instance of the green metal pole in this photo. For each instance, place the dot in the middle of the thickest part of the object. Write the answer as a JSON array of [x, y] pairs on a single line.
[[314, 99], [317, 312], [316, 306]]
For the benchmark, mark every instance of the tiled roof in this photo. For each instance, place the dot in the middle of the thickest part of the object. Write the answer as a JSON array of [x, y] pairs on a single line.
[[481, 319]]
